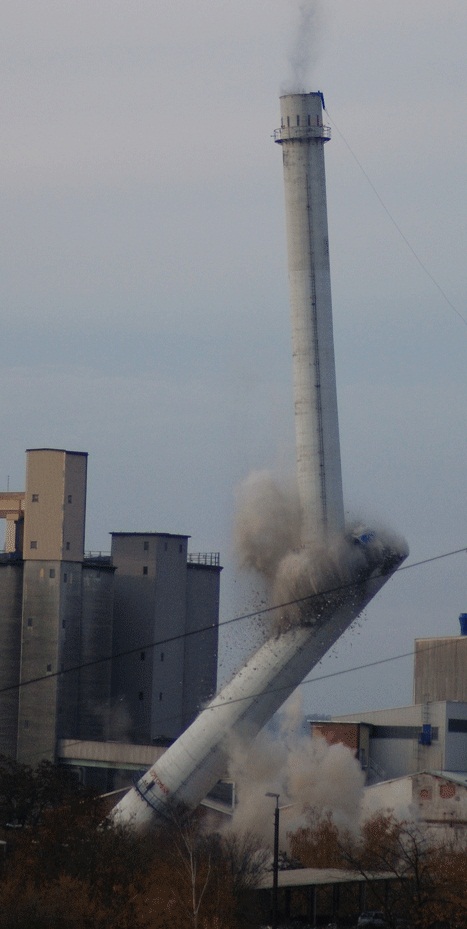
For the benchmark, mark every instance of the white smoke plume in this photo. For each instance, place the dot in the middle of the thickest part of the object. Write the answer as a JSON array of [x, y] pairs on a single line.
[[304, 45]]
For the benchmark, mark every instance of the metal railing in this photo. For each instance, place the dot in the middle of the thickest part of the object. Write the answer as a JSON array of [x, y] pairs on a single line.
[[212, 559], [98, 556], [286, 133]]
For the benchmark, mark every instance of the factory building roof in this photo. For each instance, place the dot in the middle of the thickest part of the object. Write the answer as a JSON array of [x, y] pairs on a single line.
[[313, 877]]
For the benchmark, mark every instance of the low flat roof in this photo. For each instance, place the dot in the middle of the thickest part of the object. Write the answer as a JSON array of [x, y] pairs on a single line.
[[313, 877], [63, 451], [167, 535]]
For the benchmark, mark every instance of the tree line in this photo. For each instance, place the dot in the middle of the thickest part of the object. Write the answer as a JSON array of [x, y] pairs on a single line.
[[64, 865]]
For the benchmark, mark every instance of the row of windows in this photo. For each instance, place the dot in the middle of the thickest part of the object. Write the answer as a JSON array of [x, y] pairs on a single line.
[[446, 792], [31, 622], [33, 544], [67, 577], [298, 121], [141, 695], [166, 545], [35, 498]]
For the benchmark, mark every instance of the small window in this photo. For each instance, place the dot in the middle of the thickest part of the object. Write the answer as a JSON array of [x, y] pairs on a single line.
[[30, 621], [309, 120], [146, 546], [49, 667], [35, 498], [180, 548], [141, 695], [160, 695], [145, 569], [33, 544], [162, 656], [67, 546], [288, 121], [298, 120], [63, 624], [52, 572], [65, 577], [143, 656], [70, 498]]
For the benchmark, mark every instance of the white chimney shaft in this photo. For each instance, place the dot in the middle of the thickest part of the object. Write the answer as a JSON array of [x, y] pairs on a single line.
[[302, 137]]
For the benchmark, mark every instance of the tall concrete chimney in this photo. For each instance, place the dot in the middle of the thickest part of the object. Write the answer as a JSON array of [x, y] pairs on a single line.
[[302, 136]]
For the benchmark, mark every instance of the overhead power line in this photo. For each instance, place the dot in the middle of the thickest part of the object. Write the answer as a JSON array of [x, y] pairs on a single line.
[[257, 613], [396, 224]]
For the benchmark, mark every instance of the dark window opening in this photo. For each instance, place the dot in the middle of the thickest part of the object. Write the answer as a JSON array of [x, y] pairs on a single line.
[[141, 695], [65, 578], [52, 572], [35, 498], [143, 656], [162, 656], [180, 548], [30, 622], [145, 569], [49, 667], [67, 546], [146, 546], [70, 498], [160, 695], [457, 725], [298, 120], [33, 545]]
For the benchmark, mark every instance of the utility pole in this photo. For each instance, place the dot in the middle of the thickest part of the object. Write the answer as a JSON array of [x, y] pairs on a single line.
[[275, 866]]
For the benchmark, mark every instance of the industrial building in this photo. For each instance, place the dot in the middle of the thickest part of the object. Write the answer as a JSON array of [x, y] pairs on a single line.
[[119, 646], [428, 735]]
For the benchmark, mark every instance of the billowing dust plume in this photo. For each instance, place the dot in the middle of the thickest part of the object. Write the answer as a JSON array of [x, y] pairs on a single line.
[[302, 581], [309, 774]]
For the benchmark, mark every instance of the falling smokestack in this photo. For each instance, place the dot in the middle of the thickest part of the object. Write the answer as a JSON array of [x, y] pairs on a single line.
[[193, 764], [302, 136]]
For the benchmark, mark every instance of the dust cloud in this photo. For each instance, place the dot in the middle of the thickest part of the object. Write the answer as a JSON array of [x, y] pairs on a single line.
[[307, 773], [302, 581]]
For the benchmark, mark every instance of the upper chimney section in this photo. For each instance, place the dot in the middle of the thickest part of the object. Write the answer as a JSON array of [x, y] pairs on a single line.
[[302, 136]]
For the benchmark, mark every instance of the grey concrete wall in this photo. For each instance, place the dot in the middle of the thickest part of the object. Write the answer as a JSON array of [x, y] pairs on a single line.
[[201, 643], [133, 621], [96, 644], [11, 587], [69, 657], [169, 629], [37, 719]]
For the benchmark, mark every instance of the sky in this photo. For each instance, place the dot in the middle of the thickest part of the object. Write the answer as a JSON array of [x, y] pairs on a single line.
[[143, 281]]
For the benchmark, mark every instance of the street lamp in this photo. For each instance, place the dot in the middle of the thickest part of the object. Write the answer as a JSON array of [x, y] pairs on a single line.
[[275, 866]]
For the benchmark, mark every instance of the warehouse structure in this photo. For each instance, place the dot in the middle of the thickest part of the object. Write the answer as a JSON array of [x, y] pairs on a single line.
[[119, 646], [428, 735]]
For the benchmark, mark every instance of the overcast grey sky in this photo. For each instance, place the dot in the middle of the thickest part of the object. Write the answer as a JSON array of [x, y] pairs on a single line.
[[144, 286]]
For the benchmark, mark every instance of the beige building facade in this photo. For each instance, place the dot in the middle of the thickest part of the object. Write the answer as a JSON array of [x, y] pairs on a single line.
[[81, 636]]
